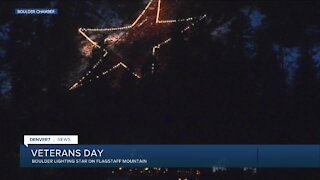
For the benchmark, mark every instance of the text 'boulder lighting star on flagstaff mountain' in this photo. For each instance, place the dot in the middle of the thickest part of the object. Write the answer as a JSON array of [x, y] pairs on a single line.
[[119, 49]]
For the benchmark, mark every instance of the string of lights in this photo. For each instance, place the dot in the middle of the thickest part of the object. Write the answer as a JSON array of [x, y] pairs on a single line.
[[105, 73], [79, 83], [155, 48], [83, 32]]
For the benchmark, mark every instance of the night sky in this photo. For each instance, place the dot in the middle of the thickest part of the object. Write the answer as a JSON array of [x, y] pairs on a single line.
[[248, 74]]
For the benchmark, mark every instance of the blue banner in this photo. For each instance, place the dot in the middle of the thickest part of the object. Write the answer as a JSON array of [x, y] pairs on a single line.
[[36, 11], [177, 156]]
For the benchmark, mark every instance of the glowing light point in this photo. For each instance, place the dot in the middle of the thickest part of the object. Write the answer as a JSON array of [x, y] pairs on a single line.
[[75, 86]]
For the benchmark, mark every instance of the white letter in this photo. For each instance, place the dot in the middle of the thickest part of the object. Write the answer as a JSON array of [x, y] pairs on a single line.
[[100, 152], [34, 153], [86, 153]]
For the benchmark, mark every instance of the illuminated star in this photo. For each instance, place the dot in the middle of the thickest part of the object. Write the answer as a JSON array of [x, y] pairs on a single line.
[[128, 47]]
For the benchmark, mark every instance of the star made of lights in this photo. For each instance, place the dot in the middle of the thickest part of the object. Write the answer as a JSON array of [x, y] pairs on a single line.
[[148, 30]]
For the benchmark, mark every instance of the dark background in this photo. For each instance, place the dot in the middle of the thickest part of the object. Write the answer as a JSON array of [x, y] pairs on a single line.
[[237, 88]]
